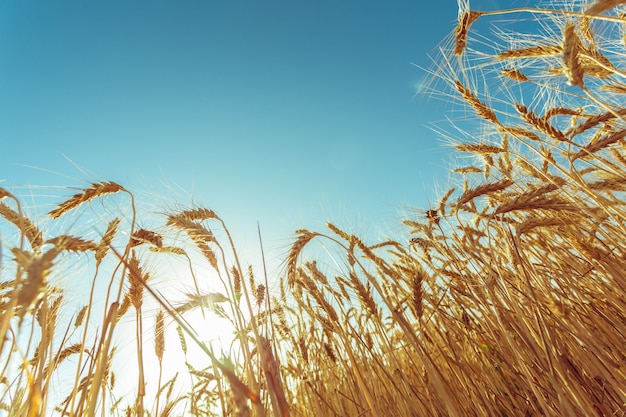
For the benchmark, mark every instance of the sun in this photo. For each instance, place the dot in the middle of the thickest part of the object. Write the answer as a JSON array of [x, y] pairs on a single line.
[[171, 371]]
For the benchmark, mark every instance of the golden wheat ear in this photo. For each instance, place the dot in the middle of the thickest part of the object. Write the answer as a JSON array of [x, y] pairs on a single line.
[[304, 238], [481, 108], [462, 29], [574, 71], [95, 191], [24, 224]]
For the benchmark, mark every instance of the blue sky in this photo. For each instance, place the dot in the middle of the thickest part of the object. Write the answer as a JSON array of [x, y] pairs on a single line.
[[287, 113]]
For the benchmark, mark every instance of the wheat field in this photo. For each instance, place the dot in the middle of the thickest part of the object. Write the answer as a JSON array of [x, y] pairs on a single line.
[[506, 298]]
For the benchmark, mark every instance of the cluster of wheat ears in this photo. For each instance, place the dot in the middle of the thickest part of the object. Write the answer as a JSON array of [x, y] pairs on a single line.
[[506, 299]]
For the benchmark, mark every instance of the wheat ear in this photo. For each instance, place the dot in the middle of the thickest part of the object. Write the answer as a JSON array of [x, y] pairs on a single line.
[[571, 62], [472, 193], [481, 108], [304, 238], [462, 29], [96, 190]]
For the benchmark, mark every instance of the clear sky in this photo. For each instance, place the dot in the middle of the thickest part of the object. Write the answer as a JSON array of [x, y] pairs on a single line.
[[286, 112]]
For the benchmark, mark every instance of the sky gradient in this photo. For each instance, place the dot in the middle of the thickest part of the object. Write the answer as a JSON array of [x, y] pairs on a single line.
[[286, 113]]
